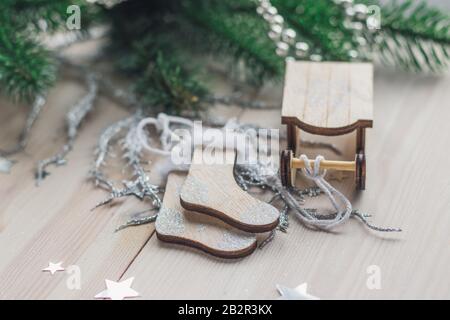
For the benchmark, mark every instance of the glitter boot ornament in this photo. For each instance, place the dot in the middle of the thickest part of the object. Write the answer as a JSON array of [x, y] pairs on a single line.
[[177, 225], [212, 189]]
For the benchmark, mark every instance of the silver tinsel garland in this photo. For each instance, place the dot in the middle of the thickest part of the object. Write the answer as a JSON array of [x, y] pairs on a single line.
[[140, 185], [74, 118], [290, 45]]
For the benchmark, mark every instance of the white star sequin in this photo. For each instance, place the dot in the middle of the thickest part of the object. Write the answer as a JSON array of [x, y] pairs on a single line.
[[299, 293], [54, 267], [118, 290], [5, 165]]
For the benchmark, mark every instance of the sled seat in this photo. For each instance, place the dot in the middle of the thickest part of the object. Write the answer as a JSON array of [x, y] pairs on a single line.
[[330, 99]]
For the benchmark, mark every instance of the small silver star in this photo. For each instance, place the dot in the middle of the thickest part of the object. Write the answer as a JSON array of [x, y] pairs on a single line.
[[5, 165], [118, 290], [299, 293], [53, 267]]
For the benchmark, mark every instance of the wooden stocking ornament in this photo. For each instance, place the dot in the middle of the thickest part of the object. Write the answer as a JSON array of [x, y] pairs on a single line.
[[212, 189], [177, 225]]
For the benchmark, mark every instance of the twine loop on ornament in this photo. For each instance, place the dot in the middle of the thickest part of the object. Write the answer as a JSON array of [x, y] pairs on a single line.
[[343, 211], [169, 139], [162, 125]]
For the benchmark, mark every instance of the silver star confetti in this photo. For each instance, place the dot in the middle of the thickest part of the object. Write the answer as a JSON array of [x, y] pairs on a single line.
[[118, 290], [299, 293], [5, 165], [53, 267]]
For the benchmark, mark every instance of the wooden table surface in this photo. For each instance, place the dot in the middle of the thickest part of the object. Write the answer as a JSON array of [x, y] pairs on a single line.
[[408, 186]]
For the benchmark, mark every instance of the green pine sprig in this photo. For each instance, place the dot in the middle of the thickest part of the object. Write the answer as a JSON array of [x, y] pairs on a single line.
[[166, 86], [232, 31], [27, 68], [157, 60], [414, 36]]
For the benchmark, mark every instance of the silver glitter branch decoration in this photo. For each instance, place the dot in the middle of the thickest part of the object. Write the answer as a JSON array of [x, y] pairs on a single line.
[[74, 118], [77, 114], [138, 221], [140, 186], [103, 149], [133, 152]]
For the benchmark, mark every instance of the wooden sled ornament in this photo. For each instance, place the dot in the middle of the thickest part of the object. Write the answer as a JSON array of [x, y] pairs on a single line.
[[177, 225], [212, 189], [329, 99]]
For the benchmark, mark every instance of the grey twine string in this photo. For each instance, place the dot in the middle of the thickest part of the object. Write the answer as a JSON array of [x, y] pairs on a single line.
[[343, 210], [309, 217]]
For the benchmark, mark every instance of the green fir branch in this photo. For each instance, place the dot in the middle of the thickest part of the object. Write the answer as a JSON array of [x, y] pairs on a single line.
[[414, 36], [26, 68], [233, 29], [166, 86], [47, 15], [158, 58], [413, 20]]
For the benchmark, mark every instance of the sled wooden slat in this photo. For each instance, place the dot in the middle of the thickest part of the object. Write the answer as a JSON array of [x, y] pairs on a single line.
[[328, 98]]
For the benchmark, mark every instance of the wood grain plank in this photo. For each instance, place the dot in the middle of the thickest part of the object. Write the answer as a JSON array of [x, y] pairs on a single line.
[[338, 111], [295, 89], [317, 101], [361, 92]]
